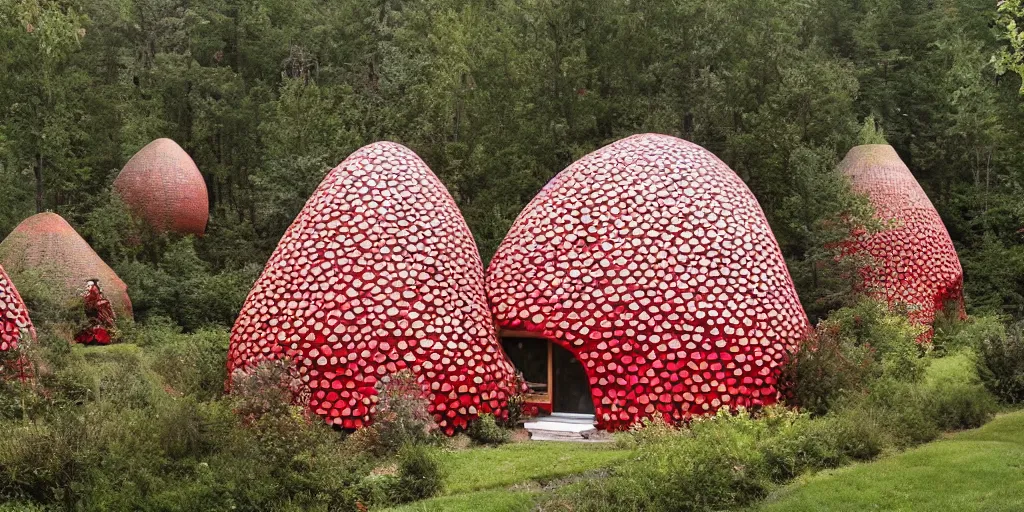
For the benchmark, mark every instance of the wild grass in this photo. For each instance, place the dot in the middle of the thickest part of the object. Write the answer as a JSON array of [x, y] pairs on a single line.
[[978, 470]]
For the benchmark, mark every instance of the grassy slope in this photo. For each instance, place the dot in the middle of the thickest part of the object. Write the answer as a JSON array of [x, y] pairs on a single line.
[[979, 470], [475, 479]]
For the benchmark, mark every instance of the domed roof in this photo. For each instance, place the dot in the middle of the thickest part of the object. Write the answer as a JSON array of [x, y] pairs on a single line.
[[162, 184], [14, 320], [651, 261], [378, 273], [46, 244], [914, 261]]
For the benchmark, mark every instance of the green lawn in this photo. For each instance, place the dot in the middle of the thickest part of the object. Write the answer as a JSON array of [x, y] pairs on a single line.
[[980, 470], [499, 500], [477, 479], [487, 468]]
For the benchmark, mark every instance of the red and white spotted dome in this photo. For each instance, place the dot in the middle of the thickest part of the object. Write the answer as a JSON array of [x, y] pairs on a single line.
[[15, 324], [914, 261], [162, 184], [377, 274], [652, 262]]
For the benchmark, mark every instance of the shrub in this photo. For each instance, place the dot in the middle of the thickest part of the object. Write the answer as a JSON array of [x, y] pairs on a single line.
[[267, 390], [858, 433], [486, 430], [416, 476], [402, 417], [899, 410], [419, 474], [961, 406], [121, 378], [41, 461], [826, 367], [713, 464], [733, 459], [47, 304], [953, 335], [177, 284], [849, 351], [649, 431], [515, 407], [1001, 364], [956, 397], [193, 364]]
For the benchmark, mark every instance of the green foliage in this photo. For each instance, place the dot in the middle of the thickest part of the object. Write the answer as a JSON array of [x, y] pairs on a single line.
[[967, 471], [734, 460], [1010, 18], [515, 407], [419, 475], [46, 303], [822, 216], [402, 417], [114, 231], [182, 287], [128, 427], [871, 133], [953, 336], [486, 430], [1001, 364], [848, 352], [193, 364]]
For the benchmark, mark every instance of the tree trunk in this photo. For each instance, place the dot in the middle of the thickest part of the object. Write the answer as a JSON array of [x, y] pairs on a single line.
[[39, 183]]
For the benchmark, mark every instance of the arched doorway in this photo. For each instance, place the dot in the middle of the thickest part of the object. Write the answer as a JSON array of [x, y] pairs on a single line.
[[557, 381], [570, 386]]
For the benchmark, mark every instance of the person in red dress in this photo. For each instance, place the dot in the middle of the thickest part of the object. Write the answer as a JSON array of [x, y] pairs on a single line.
[[100, 316]]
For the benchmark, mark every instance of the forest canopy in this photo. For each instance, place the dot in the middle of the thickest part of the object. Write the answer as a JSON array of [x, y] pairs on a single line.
[[498, 96]]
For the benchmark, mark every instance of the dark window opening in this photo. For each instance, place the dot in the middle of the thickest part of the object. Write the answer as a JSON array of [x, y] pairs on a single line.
[[530, 356]]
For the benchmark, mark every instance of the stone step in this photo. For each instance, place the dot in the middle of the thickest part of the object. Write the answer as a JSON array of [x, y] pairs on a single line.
[[572, 431]]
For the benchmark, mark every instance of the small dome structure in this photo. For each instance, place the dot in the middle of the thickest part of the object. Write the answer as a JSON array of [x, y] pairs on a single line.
[[649, 271], [164, 187], [378, 274], [914, 261], [48, 246]]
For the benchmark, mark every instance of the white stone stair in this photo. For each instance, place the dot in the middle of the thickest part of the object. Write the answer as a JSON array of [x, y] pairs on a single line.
[[564, 427]]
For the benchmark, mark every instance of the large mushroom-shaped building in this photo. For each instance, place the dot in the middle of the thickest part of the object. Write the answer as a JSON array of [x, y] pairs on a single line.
[[643, 281], [912, 259], [15, 324], [378, 274], [44, 246], [162, 185]]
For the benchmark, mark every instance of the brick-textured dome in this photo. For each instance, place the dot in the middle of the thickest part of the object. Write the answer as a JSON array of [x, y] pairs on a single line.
[[378, 273], [48, 246], [914, 261], [14, 321], [162, 185], [651, 261]]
